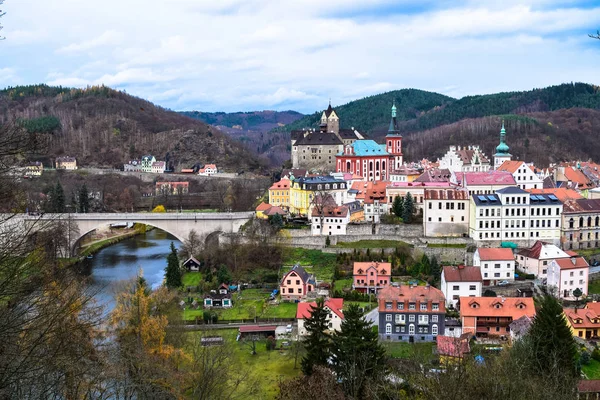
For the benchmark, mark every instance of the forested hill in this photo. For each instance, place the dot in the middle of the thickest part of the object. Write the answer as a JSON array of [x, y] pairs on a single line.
[[261, 121], [104, 127]]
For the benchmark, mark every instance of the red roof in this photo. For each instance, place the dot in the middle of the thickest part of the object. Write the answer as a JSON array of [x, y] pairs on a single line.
[[510, 166], [514, 307], [411, 293], [446, 194], [572, 263], [578, 177], [383, 268], [257, 328], [281, 185], [452, 346], [305, 309], [263, 206], [486, 178], [495, 254], [562, 194], [588, 386], [462, 274]]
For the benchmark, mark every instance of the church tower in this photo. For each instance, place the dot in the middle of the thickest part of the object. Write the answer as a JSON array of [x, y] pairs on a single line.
[[502, 153], [394, 141], [330, 122]]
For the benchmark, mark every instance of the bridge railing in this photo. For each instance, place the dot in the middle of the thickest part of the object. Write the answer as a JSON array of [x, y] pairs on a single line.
[[142, 216]]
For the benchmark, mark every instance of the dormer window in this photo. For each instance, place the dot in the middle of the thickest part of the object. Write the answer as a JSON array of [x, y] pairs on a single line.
[[497, 305], [360, 271], [383, 271], [474, 305]]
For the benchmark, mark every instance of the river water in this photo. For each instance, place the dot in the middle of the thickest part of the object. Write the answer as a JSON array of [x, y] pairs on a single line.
[[113, 265]]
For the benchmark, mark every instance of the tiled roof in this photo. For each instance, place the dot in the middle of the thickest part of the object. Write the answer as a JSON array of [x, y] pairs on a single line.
[[466, 156], [588, 386], [316, 137], [329, 211], [376, 191], [582, 206], [282, 184], [486, 178], [412, 293], [446, 194], [510, 166], [576, 176], [367, 147], [495, 254], [263, 206], [275, 210], [542, 251], [404, 170], [582, 317], [462, 273], [511, 190], [572, 263], [563, 194], [497, 307], [452, 346], [158, 164], [296, 172], [435, 175], [521, 325], [211, 166], [335, 305], [383, 268]]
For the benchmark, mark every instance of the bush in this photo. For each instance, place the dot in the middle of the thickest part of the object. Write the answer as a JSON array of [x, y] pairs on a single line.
[[327, 242], [271, 343], [159, 209], [584, 358], [489, 293], [596, 354], [210, 317]]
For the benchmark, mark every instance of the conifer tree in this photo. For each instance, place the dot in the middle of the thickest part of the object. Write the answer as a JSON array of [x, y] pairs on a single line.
[[425, 265], [356, 353], [58, 199], [173, 272], [223, 275], [84, 199], [408, 209], [397, 206], [553, 349], [436, 270], [317, 340]]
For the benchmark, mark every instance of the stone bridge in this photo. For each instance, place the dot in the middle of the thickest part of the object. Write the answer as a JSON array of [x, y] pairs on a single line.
[[177, 224]]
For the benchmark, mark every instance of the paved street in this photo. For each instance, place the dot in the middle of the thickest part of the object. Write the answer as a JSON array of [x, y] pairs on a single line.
[[373, 316]]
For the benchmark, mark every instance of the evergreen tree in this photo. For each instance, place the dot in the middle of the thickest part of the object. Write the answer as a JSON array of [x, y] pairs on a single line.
[[425, 265], [398, 206], [553, 349], [436, 270], [276, 221], [223, 275], [408, 209], [357, 355], [58, 199], [173, 272], [317, 340], [84, 199]]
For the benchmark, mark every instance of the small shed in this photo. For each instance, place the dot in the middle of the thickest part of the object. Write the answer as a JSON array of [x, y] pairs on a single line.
[[258, 330], [191, 264], [218, 300]]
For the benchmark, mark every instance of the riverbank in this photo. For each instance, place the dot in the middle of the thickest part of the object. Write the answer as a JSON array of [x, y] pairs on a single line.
[[95, 246]]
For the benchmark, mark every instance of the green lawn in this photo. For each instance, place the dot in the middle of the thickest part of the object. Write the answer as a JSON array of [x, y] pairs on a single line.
[[594, 287], [371, 244], [316, 262], [342, 284], [363, 304], [592, 370], [282, 310], [406, 350], [589, 253], [191, 279]]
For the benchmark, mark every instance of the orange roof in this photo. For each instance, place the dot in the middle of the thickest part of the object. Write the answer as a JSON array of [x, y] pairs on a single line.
[[331, 211], [572, 263], [578, 177], [582, 317], [514, 307], [495, 254], [305, 309], [282, 184], [562, 194], [383, 268], [376, 191], [263, 206], [412, 293], [510, 166]]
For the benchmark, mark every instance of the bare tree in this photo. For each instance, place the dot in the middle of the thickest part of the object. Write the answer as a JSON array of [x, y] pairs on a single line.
[[320, 200], [192, 245], [596, 36], [1, 15]]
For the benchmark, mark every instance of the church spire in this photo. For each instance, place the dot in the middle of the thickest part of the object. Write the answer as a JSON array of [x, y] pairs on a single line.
[[502, 148], [393, 129]]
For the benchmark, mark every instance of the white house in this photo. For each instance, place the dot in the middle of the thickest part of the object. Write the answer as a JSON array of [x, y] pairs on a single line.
[[460, 281], [465, 159], [158, 167], [524, 175], [334, 318], [567, 274], [208, 170], [446, 212], [335, 220], [536, 259], [496, 265], [147, 162]]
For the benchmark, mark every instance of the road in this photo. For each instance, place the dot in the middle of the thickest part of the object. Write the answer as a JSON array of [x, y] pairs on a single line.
[[373, 316]]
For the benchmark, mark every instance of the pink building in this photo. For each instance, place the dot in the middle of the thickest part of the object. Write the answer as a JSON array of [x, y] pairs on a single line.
[[371, 276], [296, 284]]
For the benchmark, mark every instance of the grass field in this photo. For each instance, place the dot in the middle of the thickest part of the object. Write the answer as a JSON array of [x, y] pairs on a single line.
[[406, 350], [282, 310], [594, 287], [592, 370], [319, 263], [371, 244], [363, 304], [342, 284], [191, 279]]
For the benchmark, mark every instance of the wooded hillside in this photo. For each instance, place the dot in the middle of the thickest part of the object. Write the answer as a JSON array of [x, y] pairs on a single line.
[[104, 127]]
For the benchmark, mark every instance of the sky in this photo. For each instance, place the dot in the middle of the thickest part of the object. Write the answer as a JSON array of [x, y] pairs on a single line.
[[244, 55]]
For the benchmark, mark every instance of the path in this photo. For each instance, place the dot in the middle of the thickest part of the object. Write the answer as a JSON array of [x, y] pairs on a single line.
[[373, 316]]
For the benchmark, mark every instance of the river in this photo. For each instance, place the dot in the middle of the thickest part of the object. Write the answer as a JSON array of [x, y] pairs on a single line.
[[121, 261]]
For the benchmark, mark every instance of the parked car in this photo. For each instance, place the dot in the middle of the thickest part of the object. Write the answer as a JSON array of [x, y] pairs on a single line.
[[503, 283], [288, 329], [595, 263]]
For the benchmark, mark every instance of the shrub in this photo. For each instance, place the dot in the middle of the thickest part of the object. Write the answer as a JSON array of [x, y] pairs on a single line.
[[159, 209], [584, 358], [327, 242], [596, 354], [271, 343]]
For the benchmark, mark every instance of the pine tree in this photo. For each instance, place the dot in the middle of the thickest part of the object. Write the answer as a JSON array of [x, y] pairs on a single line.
[[173, 272], [223, 275], [425, 265], [397, 206], [84, 199], [436, 271], [357, 355], [553, 349], [317, 340], [58, 199], [408, 209]]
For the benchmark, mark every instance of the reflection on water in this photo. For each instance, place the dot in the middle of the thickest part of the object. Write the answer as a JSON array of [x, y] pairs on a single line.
[[120, 262]]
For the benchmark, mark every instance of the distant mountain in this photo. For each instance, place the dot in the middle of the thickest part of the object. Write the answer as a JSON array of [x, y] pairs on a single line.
[[104, 127]]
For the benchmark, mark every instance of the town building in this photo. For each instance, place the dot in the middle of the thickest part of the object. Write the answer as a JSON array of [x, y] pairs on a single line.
[[34, 169], [484, 182], [191, 264], [452, 349], [416, 190], [296, 284], [357, 212], [303, 190], [133, 166], [519, 328], [173, 188], [279, 193], [512, 214], [584, 322], [565, 275], [562, 194], [496, 264], [220, 298], [410, 313], [366, 158], [572, 177], [492, 316], [536, 259], [524, 176], [464, 159], [460, 281], [581, 224], [375, 201], [369, 277], [404, 174], [158, 167], [330, 220], [335, 314], [393, 141], [146, 163], [316, 149], [502, 155], [66, 162], [260, 210], [436, 175], [208, 170], [446, 212]]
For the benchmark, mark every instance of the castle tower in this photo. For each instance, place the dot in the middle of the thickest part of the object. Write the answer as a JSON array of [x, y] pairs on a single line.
[[502, 153], [394, 141]]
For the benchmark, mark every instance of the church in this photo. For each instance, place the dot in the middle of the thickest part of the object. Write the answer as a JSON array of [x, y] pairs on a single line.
[[316, 150]]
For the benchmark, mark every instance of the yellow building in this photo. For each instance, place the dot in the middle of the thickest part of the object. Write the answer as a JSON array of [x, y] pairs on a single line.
[[300, 198], [584, 322], [34, 169], [260, 210], [279, 194], [302, 191], [67, 162]]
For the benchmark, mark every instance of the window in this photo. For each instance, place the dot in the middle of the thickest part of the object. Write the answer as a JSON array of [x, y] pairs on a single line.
[[290, 290], [411, 318], [423, 319], [423, 307], [455, 287], [297, 281], [472, 287], [497, 275], [388, 328], [434, 330], [400, 318], [411, 306], [411, 330], [436, 306], [388, 317], [400, 306], [289, 281], [434, 318], [388, 305]]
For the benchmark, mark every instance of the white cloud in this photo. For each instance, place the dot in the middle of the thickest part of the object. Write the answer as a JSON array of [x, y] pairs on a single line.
[[105, 39]]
